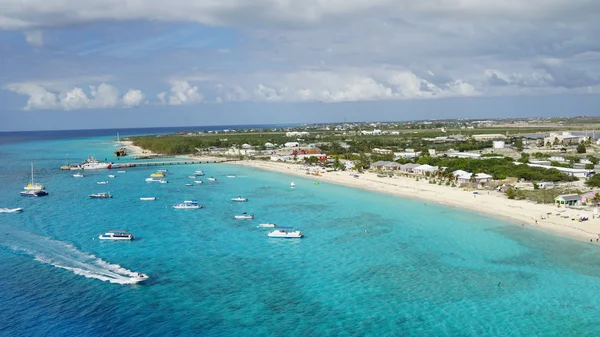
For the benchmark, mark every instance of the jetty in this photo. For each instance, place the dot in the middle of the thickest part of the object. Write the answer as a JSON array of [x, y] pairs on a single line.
[[186, 161]]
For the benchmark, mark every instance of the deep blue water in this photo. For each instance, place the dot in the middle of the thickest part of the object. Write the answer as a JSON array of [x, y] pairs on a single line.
[[370, 264]]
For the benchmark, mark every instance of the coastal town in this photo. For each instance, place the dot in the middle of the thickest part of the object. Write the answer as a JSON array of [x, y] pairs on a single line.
[[538, 172]]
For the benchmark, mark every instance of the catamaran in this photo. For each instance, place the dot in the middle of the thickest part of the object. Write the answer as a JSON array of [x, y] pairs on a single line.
[[33, 186]]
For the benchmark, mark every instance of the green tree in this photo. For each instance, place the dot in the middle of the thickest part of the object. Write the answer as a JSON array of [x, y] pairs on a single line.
[[593, 159], [337, 165], [511, 193], [580, 148], [518, 143], [524, 158], [593, 181]]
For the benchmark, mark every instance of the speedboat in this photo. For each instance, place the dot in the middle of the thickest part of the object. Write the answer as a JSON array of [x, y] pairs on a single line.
[[162, 181], [267, 225], [199, 172], [231, 176], [285, 234], [121, 171], [11, 210], [116, 235], [189, 184], [162, 170], [212, 179], [78, 175], [102, 182], [239, 199], [102, 195], [188, 204], [198, 181], [111, 175], [155, 180], [33, 186], [93, 164], [245, 216], [192, 177], [139, 277], [148, 198], [32, 193], [292, 185]]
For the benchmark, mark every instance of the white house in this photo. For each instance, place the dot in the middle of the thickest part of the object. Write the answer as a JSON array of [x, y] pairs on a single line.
[[292, 144], [296, 133], [382, 151], [423, 169]]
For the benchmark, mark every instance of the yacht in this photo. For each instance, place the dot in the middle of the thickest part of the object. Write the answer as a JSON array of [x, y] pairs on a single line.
[[267, 225], [102, 182], [11, 210], [78, 175], [239, 199], [188, 204], [102, 195], [245, 216], [285, 234], [33, 186], [32, 193], [116, 235], [94, 164], [212, 179], [148, 198]]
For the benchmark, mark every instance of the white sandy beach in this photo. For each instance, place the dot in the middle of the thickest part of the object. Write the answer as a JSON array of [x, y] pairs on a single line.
[[521, 212]]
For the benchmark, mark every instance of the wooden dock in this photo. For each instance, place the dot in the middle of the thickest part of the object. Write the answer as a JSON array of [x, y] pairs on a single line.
[[163, 163]]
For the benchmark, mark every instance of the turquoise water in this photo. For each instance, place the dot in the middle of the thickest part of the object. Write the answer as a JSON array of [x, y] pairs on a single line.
[[369, 264]]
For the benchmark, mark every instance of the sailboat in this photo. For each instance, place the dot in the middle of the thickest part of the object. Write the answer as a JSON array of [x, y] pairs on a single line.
[[33, 186]]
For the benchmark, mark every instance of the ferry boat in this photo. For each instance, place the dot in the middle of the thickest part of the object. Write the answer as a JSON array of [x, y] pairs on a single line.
[[32, 193], [188, 204], [116, 235], [103, 195], [33, 186], [239, 199], [148, 198], [245, 216], [267, 225], [11, 210], [285, 234], [92, 163], [78, 175], [102, 182]]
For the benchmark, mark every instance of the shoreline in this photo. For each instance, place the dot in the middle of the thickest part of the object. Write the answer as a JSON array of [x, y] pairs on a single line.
[[546, 217]]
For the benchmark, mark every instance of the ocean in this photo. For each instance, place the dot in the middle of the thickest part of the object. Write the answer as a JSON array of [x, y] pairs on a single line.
[[369, 264]]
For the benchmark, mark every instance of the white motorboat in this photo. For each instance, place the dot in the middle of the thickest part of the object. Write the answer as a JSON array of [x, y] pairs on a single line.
[[121, 171], [162, 181], [192, 177], [188, 204], [116, 235], [162, 170], [189, 184], [94, 164], [231, 176], [198, 181], [199, 172], [11, 210], [292, 185], [102, 195], [139, 277], [212, 179], [111, 175], [239, 199], [156, 180], [102, 182], [78, 175], [32, 193], [33, 186], [148, 198], [245, 216], [267, 225], [285, 234]]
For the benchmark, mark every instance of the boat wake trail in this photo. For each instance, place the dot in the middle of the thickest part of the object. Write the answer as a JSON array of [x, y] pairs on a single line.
[[66, 256]]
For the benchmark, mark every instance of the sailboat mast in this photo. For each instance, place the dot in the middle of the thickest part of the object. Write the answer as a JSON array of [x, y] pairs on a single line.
[[32, 174]]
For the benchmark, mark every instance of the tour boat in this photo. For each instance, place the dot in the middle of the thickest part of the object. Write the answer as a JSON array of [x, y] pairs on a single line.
[[239, 199], [148, 198], [267, 225], [245, 216], [32, 193], [285, 234], [93, 164], [11, 210], [102, 182], [198, 181], [116, 235], [188, 204], [33, 186], [78, 175], [102, 195], [212, 179]]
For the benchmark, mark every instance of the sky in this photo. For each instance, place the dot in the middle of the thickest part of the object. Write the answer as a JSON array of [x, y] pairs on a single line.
[[128, 63]]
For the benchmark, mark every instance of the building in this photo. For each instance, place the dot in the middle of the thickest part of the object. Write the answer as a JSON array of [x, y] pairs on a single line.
[[424, 169], [587, 198], [408, 168], [381, 151], [464, 177], [296, 134], [565, 200], [291, 144], [488, 136], [386, 165], [498, 144], [563, 138]]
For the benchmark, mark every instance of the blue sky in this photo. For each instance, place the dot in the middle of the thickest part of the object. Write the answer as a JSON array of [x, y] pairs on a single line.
[[123, 63]]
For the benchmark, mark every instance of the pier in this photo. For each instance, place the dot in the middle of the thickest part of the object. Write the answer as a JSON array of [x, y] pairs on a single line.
[[161, 163]]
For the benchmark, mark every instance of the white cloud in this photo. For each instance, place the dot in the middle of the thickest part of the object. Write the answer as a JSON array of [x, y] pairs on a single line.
[[34, 38], [181, 93], [101, 96], [133, 98]]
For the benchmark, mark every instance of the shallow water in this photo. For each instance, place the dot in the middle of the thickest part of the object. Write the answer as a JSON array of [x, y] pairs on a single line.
[[370, 264]]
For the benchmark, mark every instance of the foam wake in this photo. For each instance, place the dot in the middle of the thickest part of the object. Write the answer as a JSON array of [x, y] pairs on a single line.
[[66, 256]]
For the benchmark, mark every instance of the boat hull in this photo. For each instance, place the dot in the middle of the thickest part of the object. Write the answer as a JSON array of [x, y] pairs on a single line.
[[148, 198], [110, 238], [34, 193], [11, 210]]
